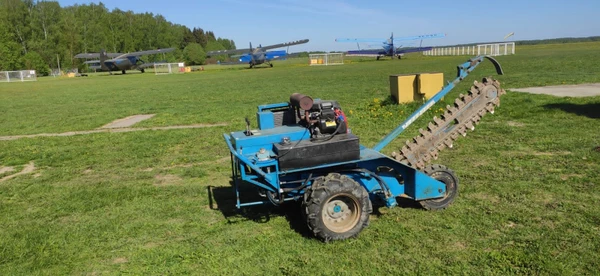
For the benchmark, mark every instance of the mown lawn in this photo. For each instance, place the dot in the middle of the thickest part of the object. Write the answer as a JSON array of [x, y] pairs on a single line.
[[138, 202]]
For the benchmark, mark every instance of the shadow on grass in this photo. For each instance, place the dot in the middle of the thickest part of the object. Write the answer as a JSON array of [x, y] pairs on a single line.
[[223, 199], [590, 110], [389, 100], [258, 67]]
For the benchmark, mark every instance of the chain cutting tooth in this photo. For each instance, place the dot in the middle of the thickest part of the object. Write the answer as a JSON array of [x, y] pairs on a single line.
[[434, 154], [430, 126], [459, 103], [441, 146], [448, 143], [469, 125], [419, 140]]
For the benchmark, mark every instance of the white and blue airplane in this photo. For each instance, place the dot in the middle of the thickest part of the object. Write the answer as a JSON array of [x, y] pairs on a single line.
[[389, 50], [258, 55], [120, 62]]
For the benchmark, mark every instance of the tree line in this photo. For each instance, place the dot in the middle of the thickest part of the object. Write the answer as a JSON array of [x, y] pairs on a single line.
[[558, 40], [38, 34]]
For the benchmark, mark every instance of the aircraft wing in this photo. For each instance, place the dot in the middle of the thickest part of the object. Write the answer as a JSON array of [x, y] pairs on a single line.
[[96, 55], [360, 40], [374, 53], [366, 53], [416, 37], [228, 52], [147, 52], [91, 61], [419, 37], [284, 44]]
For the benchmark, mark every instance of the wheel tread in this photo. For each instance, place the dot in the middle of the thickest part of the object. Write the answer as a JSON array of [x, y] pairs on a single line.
[[324, 188]]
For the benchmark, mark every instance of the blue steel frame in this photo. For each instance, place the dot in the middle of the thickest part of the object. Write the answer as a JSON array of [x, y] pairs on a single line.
[[396, 180]]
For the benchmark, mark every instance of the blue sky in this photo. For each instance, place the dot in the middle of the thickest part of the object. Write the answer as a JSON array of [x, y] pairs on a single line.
[[269, 22]]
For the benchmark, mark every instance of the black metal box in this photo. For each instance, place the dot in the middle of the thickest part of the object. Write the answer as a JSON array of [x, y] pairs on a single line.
[[306, 153]]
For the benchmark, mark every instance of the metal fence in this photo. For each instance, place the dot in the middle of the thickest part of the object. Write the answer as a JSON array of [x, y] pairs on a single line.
[[169, 68], [492, 49], [326, 59], [14, 76]]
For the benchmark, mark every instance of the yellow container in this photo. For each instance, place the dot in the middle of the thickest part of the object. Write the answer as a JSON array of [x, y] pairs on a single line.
[[320, 61], [313, 61], [408, 88], [403, 87], [430, 84]]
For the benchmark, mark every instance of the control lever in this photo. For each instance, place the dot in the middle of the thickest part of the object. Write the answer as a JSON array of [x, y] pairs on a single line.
[[248, 132]]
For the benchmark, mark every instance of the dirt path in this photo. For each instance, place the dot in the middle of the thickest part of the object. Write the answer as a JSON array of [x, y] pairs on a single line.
[[27, 169], [73, 133], [128, 121], [577, 90]]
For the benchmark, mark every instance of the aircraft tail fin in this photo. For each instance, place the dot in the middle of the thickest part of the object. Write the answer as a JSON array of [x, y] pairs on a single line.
[[103, 58], [251, 55]]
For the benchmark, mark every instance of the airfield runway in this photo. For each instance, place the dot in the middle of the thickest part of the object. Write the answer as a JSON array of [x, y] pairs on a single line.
[[577, 90]]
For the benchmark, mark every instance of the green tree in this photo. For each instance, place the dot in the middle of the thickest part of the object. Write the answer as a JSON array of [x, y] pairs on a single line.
[[49, 30], [216, 46], [33, 61], [194, 54], [10, 53], [200, 37], [70, 37], [188, 37], [45, 27], [18, 20]]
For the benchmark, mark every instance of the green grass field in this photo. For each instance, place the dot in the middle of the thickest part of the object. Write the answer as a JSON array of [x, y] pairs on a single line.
[[138, 203]]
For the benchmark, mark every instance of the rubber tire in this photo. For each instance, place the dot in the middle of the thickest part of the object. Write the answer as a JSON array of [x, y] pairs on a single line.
[[271, 64], [143, 70], [123, 71], [447, 176], [326, 188]]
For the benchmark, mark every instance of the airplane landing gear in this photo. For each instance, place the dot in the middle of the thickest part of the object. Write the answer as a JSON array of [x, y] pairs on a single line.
[[143, 70], [377, 57], [123, 71], [271, 64]]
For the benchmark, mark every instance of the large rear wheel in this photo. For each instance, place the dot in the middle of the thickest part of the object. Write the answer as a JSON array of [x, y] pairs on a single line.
[[336, 207]]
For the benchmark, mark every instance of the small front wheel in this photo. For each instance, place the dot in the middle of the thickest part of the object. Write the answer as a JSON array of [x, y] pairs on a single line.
[[336, 207], [446, 176]]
